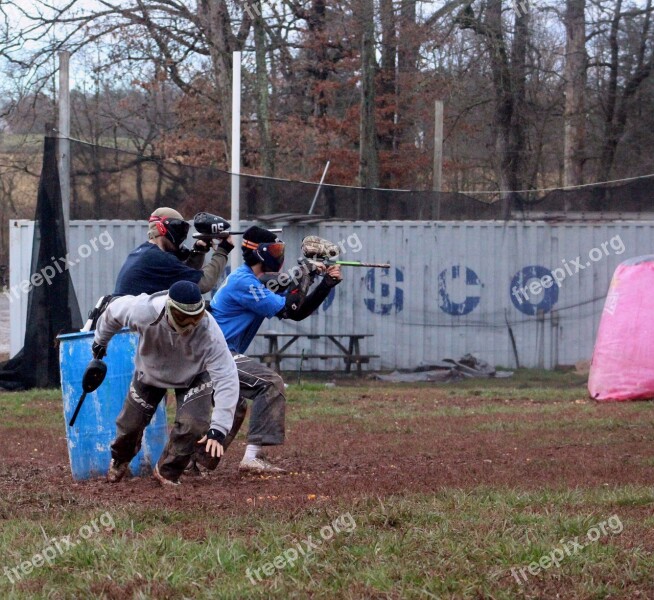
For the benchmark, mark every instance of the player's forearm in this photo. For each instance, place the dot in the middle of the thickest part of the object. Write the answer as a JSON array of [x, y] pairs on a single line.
[[312, 301], [213, 270], [195, 260]]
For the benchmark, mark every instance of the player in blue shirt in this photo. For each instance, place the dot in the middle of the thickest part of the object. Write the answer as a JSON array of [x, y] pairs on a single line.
[[240, 306]]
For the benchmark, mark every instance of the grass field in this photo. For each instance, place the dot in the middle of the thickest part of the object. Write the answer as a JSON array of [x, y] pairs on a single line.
[[516, 488]]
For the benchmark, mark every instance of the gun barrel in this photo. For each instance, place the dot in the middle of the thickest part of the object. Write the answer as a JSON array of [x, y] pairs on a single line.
[[225, 234], [353, 263]]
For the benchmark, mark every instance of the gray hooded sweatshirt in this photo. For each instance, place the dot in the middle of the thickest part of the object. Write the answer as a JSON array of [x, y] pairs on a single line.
[[166, 359]]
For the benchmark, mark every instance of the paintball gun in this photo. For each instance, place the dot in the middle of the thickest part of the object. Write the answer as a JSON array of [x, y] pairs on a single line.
[[316, 249], [212, 227]]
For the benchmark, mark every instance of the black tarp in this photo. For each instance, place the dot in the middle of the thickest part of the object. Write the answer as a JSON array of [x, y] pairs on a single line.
[[52, 306]]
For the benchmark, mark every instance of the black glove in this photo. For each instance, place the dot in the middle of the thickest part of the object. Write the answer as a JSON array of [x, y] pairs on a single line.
[[330, 282], [215, 434], [201, 248], [226, 246], [98, 351], [182, 253]]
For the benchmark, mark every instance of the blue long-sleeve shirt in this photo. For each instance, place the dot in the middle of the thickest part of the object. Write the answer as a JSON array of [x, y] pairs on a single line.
[[240, 306]]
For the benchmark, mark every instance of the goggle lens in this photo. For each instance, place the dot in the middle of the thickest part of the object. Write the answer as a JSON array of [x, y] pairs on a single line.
[[276, 250], [178, 226], [183, 319]]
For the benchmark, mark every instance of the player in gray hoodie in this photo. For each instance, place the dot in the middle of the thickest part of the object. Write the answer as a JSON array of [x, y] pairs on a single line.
[[180, 347]]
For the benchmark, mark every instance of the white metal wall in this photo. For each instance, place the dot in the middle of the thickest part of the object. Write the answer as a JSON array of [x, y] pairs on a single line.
[[448, 291]]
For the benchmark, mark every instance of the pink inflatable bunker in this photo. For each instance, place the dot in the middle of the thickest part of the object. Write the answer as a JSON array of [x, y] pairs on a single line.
[[623, 360]]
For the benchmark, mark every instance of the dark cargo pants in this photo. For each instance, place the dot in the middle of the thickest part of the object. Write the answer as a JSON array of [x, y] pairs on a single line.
[[192, 420]]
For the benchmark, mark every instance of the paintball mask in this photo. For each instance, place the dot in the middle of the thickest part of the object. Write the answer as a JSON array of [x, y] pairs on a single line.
[[271, 254], [184, 307], [174, 230]]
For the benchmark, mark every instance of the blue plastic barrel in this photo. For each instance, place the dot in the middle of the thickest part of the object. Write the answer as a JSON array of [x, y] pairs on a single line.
[[90, 438]]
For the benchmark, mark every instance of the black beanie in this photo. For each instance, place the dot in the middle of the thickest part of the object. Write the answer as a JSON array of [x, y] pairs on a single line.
[[186, 297], [257, 235]]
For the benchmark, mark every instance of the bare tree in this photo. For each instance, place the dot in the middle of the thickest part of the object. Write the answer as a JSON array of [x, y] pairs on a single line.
[[513, 81], [368, 146], [576, 63], [181, 35], [625, 77], [508, 67], [263, 113]]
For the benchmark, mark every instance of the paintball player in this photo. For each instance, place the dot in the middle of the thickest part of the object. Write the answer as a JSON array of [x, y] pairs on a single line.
[[161, 261], [239, 307], [180, 347]]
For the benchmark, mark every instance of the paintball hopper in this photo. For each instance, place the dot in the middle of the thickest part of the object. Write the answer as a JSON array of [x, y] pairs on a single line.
[[210, 226], [315, 248], [318, 248], [93, 377], [213, 227]]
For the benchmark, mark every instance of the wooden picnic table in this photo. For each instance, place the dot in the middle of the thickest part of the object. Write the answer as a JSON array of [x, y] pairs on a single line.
[[347, 344]]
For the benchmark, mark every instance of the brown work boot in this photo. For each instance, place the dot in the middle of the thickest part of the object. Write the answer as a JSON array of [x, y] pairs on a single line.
[[117, 471], [162, 480]]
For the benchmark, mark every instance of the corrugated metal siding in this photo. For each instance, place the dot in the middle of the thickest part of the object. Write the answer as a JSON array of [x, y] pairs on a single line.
[[448, 291], [20, 260]]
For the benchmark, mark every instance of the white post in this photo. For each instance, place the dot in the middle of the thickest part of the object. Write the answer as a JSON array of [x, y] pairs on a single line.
[[63, 127], [235, 255]]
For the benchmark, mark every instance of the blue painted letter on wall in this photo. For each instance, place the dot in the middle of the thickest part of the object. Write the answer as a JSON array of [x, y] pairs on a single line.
[[533, 289], [452, 286], [387, 295], [329, 300]]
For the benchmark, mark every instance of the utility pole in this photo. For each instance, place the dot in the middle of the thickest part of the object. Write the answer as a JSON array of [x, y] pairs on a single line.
[[437, 177], [236, 151], [63, 128]]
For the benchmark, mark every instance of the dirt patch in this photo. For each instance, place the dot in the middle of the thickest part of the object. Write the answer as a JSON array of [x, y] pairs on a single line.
[[36, 446], [368, 456]]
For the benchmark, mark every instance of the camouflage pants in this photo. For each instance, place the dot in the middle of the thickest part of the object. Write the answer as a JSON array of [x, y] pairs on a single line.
[[267, 420], [266, 390], [192, 420]]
